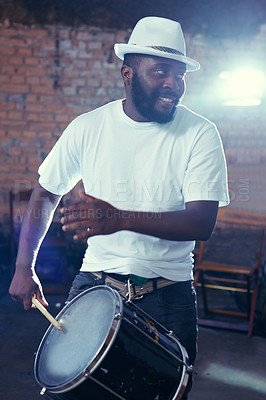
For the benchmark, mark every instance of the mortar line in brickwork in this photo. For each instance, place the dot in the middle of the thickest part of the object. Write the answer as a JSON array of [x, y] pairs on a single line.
[[56, 58]]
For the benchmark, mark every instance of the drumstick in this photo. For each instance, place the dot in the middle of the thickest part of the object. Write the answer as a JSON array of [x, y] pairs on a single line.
[[46, 314]]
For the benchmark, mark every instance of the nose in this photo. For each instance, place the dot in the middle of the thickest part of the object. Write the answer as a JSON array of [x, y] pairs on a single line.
[[172, 82]]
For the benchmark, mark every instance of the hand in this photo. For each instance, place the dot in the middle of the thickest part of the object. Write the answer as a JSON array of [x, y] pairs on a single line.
[[24, 286], [91, 217]]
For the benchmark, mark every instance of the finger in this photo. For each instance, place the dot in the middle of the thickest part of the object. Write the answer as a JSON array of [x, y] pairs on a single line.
[[76, 226], [77, 215], [81, 212], [15, 298], [27, 303], [84, 235], [40, 297], [71, 208], [24, 300], [68, 210]]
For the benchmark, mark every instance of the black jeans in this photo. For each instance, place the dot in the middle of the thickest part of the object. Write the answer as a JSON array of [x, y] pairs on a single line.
[[174, 307]]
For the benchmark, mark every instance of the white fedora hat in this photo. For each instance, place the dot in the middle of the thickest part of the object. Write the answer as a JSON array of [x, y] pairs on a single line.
[[156, 36]]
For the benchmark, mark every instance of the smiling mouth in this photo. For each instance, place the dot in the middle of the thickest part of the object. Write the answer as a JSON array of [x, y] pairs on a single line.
[[168, 101]]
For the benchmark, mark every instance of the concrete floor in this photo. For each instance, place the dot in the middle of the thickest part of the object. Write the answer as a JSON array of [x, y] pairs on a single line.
[[230, 366]]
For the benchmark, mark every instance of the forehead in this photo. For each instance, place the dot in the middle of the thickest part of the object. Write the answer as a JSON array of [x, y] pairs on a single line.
[[150, 62]]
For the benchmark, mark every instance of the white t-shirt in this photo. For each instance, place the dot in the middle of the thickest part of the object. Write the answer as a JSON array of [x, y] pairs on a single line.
[[139, 166]]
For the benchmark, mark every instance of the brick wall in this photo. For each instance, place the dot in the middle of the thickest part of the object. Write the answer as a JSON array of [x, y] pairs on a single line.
[[51, 74], [48, 76]]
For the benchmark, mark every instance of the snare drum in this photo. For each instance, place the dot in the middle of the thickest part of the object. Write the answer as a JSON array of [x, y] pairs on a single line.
[[109, 349]]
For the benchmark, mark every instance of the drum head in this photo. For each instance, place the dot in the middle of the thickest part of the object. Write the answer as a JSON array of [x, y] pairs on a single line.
[[65, 356]]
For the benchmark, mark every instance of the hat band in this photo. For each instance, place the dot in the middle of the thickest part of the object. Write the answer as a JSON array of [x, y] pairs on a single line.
[[167, 50]]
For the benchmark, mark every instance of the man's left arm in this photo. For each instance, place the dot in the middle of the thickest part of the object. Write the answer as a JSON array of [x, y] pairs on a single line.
[[96, 217]]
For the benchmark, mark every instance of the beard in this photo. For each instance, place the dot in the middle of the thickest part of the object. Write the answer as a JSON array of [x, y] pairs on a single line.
[[146, 104]]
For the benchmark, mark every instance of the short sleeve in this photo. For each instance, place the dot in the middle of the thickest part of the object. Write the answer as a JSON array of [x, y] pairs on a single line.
[[60, 171], [206, 173]]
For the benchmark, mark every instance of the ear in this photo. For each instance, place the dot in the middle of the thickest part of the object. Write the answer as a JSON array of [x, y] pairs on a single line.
[[127, 73]]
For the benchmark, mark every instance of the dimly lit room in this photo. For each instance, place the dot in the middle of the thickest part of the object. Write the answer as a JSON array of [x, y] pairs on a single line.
[[107, 204]]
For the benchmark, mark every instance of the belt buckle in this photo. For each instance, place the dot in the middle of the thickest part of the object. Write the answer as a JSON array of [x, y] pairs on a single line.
[[132, 296]]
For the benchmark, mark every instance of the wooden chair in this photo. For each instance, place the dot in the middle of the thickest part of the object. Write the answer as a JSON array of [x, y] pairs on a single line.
[[228, 276], [51, 264]]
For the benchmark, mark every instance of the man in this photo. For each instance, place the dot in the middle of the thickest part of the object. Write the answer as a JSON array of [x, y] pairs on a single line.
[[154, 174]]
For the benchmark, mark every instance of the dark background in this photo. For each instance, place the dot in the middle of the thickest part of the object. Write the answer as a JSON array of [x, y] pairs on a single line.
[[214, 18]]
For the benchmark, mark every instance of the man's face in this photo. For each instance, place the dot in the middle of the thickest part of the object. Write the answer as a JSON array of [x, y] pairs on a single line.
[[158, 85]]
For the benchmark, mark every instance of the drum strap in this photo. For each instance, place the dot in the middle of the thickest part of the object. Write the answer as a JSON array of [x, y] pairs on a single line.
[[131, 290]]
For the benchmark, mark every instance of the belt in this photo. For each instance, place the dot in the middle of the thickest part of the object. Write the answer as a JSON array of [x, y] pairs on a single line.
[[129, 289]]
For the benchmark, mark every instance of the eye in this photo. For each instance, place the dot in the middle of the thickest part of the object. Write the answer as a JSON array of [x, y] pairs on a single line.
[[164, 72], [180, 77], [161, 71]]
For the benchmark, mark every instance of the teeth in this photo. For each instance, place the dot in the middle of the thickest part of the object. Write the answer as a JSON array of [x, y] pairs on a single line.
[[166, 99]]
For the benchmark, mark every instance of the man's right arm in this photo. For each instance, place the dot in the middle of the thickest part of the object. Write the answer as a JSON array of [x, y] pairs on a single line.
[[36, 221]]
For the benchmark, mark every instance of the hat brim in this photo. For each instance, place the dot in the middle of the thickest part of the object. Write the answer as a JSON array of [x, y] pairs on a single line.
[[121, 49]]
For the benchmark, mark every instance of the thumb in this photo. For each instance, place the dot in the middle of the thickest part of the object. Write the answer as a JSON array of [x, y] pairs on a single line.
[[86, 197], [40, 297]]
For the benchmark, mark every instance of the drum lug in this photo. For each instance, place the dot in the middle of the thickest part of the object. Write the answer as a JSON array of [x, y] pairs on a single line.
[[117, 316], [191, 369], [171, 333], [42, 392]]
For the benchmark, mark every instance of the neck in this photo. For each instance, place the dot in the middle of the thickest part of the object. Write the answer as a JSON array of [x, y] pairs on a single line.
[[131, 112]]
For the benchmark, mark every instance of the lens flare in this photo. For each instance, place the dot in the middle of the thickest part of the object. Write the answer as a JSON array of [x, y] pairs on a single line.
[[244, 87]]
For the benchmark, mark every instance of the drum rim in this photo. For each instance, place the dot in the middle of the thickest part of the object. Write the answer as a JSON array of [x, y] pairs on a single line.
[[184, 377], [102, 352]]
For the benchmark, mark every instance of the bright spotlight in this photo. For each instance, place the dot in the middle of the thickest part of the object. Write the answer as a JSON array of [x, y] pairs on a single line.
[[244, 87]]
